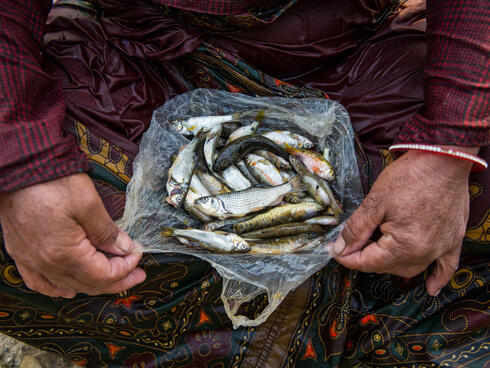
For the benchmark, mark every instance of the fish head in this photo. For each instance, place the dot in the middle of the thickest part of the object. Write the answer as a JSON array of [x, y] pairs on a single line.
[[308, 145], [238, 243], [176, 196], [177, 124], [209, 205], [296, 163]]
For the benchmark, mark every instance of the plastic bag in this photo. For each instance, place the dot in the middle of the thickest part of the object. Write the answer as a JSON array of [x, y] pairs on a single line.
[[245, 276]]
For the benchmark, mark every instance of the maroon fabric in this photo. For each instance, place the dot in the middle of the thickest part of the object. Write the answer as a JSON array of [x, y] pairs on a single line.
[[33, 147], [217, 7], [457, 76], [116, 71]]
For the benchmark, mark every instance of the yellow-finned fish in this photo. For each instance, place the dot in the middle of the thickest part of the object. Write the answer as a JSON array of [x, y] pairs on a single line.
[[280, 215], [263, 170], [313, 161], [284, 137], [216, 241], [242, 131], [241, 203], [206, 123], [317, 187]]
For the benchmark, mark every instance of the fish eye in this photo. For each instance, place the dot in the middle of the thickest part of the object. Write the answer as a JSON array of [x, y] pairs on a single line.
[[204, 200]]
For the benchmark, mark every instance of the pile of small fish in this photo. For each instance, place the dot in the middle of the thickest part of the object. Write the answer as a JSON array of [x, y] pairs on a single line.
[[269, 191]]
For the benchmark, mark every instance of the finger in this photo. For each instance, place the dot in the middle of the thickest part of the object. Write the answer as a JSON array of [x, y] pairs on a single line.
[[443, 271], [360, 226], [371, 258], [98, 273], [99, 227], [37, 282]]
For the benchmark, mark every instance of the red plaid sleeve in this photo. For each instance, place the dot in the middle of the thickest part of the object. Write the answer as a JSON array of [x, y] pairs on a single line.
[[33, 147], [457, 76]]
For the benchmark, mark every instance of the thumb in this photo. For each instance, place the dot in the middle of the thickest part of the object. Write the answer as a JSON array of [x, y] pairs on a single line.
[[443, 271], [100, 229], [359, 227]]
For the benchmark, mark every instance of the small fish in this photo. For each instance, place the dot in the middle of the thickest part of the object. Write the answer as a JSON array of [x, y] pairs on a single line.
[[323, 220], [242, 146], [316, 186], [313, 161], [180, 174], [244, 169], [243, 131], [288, 244], [235, 179], [284, 137], [216, 241], [243, 202], [210, 145], [196, 190], [280, 215], [278, 162], [289, 229], [212, 183], [205, 123], [210, 226], [263, 170]]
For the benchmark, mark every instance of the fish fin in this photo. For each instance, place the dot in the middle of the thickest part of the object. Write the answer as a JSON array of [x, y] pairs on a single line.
[[238, 116], [167, 231], [296, 184], [213, 133]]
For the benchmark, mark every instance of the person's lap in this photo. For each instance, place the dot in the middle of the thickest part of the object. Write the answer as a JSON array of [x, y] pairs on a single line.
[[175, 317]]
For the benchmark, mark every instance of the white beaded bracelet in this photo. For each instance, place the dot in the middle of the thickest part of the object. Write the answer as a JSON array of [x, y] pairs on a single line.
[[478, 163]]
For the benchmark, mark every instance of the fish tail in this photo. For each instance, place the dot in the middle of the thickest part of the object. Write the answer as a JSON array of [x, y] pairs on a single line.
[[238, 116], [296, 184], [167, 231]]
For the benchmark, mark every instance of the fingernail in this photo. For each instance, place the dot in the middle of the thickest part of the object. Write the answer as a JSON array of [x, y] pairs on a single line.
[[124, 243], [339, 245]]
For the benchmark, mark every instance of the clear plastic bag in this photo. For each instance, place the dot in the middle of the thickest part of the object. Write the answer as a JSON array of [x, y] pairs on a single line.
[[245, 276]]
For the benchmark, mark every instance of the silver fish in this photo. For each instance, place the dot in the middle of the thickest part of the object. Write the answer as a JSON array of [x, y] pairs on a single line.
[[241, 203], [242, 131], [235, 179], [263, 170], [284, 137], [204, 123], [217, 241], [317, 187], [280, 215], [213, 184], [244, 169], [196, 190], [210, 145], [180, 174], [276, 160], [323, 220]]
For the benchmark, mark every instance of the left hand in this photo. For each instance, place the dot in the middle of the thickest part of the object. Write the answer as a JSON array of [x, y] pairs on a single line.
[[421, 204]]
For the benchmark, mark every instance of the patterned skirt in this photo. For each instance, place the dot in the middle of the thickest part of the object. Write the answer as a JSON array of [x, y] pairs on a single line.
[[118, 62]]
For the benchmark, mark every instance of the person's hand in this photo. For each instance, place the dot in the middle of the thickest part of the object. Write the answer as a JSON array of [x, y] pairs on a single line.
[[60, 235], [421, 204]]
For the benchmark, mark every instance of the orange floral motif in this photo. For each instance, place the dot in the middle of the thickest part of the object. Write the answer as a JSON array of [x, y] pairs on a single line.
[[113, 349], [127, 302], [368, 318], [204, 318], [310, 351]]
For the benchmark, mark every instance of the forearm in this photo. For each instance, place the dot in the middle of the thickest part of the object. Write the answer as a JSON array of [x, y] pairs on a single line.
[[457, 77], [32, 110]]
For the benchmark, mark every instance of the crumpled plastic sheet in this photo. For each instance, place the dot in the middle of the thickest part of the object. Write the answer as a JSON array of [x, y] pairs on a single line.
[[245, 276]]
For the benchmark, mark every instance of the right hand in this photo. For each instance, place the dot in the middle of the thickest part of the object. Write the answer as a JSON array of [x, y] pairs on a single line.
[[59, 235]]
